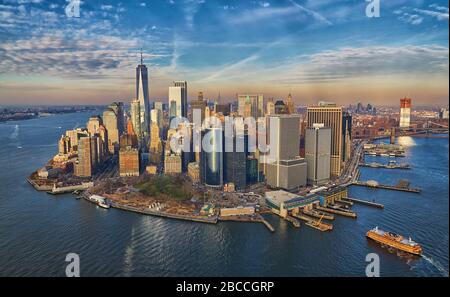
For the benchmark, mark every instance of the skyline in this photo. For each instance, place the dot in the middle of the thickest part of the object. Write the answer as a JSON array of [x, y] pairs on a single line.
[[227, 47]]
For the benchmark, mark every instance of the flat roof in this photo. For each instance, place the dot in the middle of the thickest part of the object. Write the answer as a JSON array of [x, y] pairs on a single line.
[[281, 196]]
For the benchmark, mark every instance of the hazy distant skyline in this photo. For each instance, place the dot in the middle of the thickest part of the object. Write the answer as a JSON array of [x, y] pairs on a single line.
[[315, 50]]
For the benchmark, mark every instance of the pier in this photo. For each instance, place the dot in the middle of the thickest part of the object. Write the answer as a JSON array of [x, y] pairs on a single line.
[[318, 214], [372, 184], [345, 213], [364, 202], [314, 223], [385, 166], [249, 219], [294, 222]]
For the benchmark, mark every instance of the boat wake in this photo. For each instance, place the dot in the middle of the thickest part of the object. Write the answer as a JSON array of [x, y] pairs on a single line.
[[436, 265], [15, 134]]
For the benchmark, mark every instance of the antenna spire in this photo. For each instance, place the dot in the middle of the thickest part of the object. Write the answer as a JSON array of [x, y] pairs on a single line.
[[142, 60]]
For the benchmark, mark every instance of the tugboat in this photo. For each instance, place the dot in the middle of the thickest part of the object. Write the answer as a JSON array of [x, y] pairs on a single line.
[[395, 241]]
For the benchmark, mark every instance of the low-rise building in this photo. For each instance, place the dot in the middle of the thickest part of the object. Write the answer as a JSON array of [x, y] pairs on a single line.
[[281, 201], [237, 211], [194, 172]]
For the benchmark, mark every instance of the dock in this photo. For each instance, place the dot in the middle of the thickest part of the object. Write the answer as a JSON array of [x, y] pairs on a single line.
[[386, 187], [348, 203], [318, 214], [365, 202], [314, 223], [250, 219], [294, 222], [345, 213], [69, 189], [385, 166], [267, 224]]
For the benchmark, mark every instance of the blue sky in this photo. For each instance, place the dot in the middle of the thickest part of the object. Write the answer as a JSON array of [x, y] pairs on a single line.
[[314, 49]]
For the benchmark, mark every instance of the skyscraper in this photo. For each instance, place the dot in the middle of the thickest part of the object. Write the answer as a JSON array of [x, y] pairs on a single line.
[[211, 158], [346, 135], [290, 105], [250, 105], [235, 160], [135, 111], [83, 164], [317, 154], [142, 95], [285, 168], [405, 112], [199, 106], [110, 121], [178, 99], [331, 116], [270, 107]]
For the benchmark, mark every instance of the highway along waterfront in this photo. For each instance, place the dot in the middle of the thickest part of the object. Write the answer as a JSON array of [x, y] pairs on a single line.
[[38, 230]]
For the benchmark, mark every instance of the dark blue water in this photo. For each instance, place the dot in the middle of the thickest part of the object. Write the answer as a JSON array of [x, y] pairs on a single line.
[[37, 230]]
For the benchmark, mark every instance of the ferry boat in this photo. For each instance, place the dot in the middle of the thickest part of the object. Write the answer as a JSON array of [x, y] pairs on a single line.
[[395, 241]]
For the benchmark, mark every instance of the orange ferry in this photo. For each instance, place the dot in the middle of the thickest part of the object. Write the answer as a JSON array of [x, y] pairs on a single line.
[[395, 241]]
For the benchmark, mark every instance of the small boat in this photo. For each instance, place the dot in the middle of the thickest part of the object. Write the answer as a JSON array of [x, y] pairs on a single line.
[[104, 205], [395, 241]]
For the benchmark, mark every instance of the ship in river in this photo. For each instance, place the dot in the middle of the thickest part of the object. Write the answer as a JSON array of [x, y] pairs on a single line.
[[395, 241]]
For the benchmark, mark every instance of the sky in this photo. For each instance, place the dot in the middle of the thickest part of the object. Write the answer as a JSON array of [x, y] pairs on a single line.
[[314, 49]]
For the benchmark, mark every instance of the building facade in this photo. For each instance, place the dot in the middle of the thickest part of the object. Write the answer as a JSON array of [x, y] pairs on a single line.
[[317, 154], [331, 116]]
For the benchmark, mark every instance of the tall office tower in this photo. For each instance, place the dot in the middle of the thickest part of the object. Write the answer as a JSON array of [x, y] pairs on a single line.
[[285, 168], [331, 116], [129, 155], [270, 107], [93, 124], [156, 117], [235, 160], [83, 163], [119, 110], [110, 122], [405, 112], [142, 95], [129, 162], [178, 99], [443, 113], [200, 96], [317, 153], [280, 107], [155, 144], [104, 141], [159, 105], [211, 158], [172, 109], [346, 135], [94, 127], [135, 111], [199, 106], [290, 105], [250, 105], [95, 154], [64, 145]]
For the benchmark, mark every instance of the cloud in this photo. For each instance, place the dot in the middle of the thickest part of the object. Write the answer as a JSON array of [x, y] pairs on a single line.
[[440, 16], [348, 63]]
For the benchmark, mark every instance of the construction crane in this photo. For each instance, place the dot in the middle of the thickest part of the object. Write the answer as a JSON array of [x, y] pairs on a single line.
[[320, 220]]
